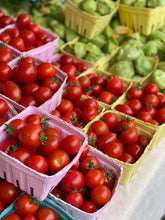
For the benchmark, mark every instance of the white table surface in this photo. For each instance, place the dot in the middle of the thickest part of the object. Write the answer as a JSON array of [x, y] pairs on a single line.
[[143, 198]]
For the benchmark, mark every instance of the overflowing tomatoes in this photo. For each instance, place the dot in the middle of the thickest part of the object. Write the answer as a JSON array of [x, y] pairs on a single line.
[[146, 104], [38, 145], [88, 185], [24, 36], [5, 20]]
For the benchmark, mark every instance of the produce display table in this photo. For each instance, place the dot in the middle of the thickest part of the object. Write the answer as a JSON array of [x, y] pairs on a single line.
[[144, 196]]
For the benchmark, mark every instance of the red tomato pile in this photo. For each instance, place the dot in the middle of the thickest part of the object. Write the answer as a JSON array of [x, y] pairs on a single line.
[[8, 193], [5, 55], [105, 90], [70, 67], [79, 111], [5, 20], [27, 83], [27, 208], [146, 104], [3, 110], [87, 186], [38, 146], [117, 139], [26, 36]]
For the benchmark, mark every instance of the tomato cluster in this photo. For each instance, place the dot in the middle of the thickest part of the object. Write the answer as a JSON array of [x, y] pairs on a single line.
[[87, 186], [38, 145], [8, 193], [27, 208], [27, 83], [117, 138], [146, 104], [79, 111], [6, 55], [5, 20], [72, 68], [26, 35], [106, 90]]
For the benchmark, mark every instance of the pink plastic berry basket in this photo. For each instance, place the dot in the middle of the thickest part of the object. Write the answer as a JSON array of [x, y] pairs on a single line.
[[79, 214], [44, 52], [11, 110], [29, 180], [52, 102]]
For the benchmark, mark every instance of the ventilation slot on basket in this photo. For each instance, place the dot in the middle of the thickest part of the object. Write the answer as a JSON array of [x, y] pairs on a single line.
[[17, 182], [141, 29], [4, 174], [31, 191], [85, 31], [152, 29], [77, 28]]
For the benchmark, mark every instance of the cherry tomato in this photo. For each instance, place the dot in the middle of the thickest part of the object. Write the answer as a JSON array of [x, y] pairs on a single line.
[[70, 70], [111, 119], [12, 90], [34, 28], [106, 97], [88, 162], [126, 123], [45, 70], [109, 177], [6, 144], [22, 154], [5, 20], [29, 217], [6, 55], [98, 80], [33, 119], [94, 177], [65, 105], [56, 113], [23, 21], [73, 92], [57, 160], [161, 102], [46, 213], [124, 109], [92, 138], [151, 88], [85, 152], [71, 144], [134, 93], [99, 128], [89, 206], [144, 116], [127, 158], [115, 85], [105, 139], [52, 83], [43, 93], [81, 67], [151, 99], [5, 72], [143, 140], [129, 136], [66, 59], [28, 37], [100, 195], [6, 38], [75, 199], [149, 109], [160, 115], [38, 163], [87, 114], [113, 149], [57, 192], [135, 150], [17, 43], [53, 132], [135, 105], [28, 100], [3, 107], [11, 216]]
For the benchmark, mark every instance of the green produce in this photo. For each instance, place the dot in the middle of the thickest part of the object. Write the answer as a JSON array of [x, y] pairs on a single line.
[[157, 35], [127, 2], [59, 45], [161, 66], [76, 2], [88, 6], [99, 40], [80, 50], [109, 47], [108, 32], [152, 47], [140, 3], [123, 69], [158, 77], [143, 66], [155, 3], [105, 7], [94, 49], [69, 34]]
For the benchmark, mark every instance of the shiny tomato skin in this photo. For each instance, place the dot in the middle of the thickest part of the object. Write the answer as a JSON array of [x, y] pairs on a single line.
[[151, 88], [5, 145], [113, 149], [150, 110], [90, 102], [22, 154], [143, 140], [111, 119], [3, 107], [57, 160], [144, 116], [72, 179], [126, 123], [6, 56], [28, 100], [57, 192], [29, 136], [151, 99], [65, 105], [8, 192], [45, 70], [46, 213], [34, 28], [109, 177], [81, 67], [127, 158], [124, 109], [135, 150], [11, 216], [115, 85], [160, 115], [75, 199], [70, 70], [33, 119], [134, 93], [106, 97], [89, 206], [43, 94], [135, 105], [105, 139], [52, 132], [5, 71], [18, 44], [161, 98], [99, 128], [129, 136], [71, 144], [85, 82], [5, 20], [94, 177], [56, 113], [23, 21], [38, 163], [66, 59], [100, 195], [52, 83], [12, 90], [29, 217], [87, 114], [28, 37], [6, 38], [73, 93], [25, 205], [86, 163]]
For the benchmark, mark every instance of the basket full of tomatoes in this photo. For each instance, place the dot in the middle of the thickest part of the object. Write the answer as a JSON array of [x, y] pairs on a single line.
[[33, 82], [25, 36], [89, 187], [124, 139], [145, 103], [28, 207], [37, 150]]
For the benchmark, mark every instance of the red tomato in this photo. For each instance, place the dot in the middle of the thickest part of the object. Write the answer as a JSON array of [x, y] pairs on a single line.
[[105, 139], [73, 92], [160, 115], [151, 99], [11, 216], [88, 162], [5, 72], [57, 160], [23, 21], [129, 136], [43, 93], [22, 154], [34, 28], [113, 149], [81, 67], [126, 123], [3, 107], [149, 109], [26, 73], [73, 179], [1, 13], [111, 119], [28, 37], [127, 158], [161, 102], [134, 93], [124, 109], [45, 70], [89, 206], [56, 113], [65, 105], [46, 213], [71, 144], [90, 102], [92, 138], [40, 37], [85, 151], [155, 122], [106, 97], [75, 199], [6, 55], [29, 136], [66, 59], [6, 144], [11, 90], [38, 163], [17, 43], [6, 38], [28, 100], [99, 128], [33, 119], [8, 192], [151, 88], [57, 192], [70, 70], [26, 204], [115, 85], [109, 177], [98, 80], [52, 83], [87, 114], [135, 150], [13, 32], [29, 217], [94, 177], [53, 132], [5, 20], [143, 140], [144, 116], [135, 105], [100, 195], [1, 207], [30, 88]]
